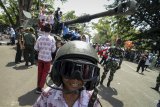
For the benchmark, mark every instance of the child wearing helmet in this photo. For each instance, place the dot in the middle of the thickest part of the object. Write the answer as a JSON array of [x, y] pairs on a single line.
[[75, 75]]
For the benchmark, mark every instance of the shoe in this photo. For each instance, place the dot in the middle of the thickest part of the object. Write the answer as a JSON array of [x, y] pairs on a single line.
[[155, 88], [108, 84], [16, 62], [118, 67], [32, 63], [101, 83], [38, 90], [26, 64]]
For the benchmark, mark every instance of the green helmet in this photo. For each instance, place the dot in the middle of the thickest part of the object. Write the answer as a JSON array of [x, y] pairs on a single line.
[[76, 51]]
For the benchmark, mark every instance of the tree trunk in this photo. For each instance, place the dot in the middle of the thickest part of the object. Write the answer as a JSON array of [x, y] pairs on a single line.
[[24, 5]]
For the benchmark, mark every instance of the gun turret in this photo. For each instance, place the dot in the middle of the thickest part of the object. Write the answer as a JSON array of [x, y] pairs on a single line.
[[125, 8]]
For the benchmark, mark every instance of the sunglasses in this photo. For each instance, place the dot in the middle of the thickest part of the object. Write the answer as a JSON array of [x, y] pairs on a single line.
[[77, 69]]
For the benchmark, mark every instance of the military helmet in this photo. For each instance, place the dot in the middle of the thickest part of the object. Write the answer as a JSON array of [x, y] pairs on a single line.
[[75, 50]]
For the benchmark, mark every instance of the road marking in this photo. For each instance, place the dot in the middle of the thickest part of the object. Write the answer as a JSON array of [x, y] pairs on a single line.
[[13, 103], [129, 66]]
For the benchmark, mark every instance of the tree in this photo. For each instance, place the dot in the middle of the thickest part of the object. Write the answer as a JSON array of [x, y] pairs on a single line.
[[13, 11], [69, 15], [104, 30], [7, 13], [147, 17], [24, 5]]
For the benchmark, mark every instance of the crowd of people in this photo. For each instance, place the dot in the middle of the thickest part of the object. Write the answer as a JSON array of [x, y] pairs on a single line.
[[55, 19], [112, 57], [151, 61]]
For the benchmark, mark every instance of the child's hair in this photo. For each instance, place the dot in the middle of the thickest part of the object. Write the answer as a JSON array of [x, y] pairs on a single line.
[[47, 28]]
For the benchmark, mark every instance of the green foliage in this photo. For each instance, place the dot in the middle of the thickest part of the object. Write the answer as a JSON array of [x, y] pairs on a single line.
[[12, 10], [147, 17], [83, 27], [69, 15], [104, 30], [143, 25]]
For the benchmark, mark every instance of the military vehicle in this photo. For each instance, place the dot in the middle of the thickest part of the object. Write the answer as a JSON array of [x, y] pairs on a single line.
[[127, 7]]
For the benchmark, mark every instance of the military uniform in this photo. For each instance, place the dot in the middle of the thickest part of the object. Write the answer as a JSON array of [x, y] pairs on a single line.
[[141, 63], [19, 47], [157, 83], [29, 41], [114, 61]]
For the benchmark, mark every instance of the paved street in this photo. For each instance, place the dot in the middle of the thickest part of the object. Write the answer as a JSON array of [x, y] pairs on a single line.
[[128, 89]]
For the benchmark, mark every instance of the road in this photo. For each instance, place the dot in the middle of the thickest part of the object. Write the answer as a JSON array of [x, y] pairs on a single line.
[[128, 89]]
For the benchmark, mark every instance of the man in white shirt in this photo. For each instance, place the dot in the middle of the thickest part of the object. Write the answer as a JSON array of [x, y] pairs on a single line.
[[13, 36]]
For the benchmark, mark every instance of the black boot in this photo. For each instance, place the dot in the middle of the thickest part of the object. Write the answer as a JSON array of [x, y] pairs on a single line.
[[26, 64], [108, 83], [102, 78], [101, 82], [156, 87]]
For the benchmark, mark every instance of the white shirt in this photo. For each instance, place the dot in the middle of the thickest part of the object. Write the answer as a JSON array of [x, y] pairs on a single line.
[[12, 32], [54, 98], [50, 19], [42, 16], [45, 45]]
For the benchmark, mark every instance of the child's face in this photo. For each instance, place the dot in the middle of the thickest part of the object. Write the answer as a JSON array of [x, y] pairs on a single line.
[[72, 84]]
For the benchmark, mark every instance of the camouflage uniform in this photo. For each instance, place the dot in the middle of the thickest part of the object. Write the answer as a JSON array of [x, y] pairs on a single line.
[[29, 41], [157, 83], [113, 63]]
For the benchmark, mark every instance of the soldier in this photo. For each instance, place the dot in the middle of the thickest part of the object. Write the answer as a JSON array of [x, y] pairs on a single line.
[[19, 45], [157, 83], [114, 61], [29, 42], [141, 63]]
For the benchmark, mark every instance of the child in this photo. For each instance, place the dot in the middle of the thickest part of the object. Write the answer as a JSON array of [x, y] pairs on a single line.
[[75, 75]]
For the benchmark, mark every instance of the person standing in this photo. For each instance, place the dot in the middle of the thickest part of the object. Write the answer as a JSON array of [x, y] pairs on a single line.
[[141, 63], [158, 104], [57, 21], [19, 45], [45, 46], [29, 42], [13, 36], [114, 60], [56, 15], [154, 59], [157, 83], [148, 61], [104, 56]]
